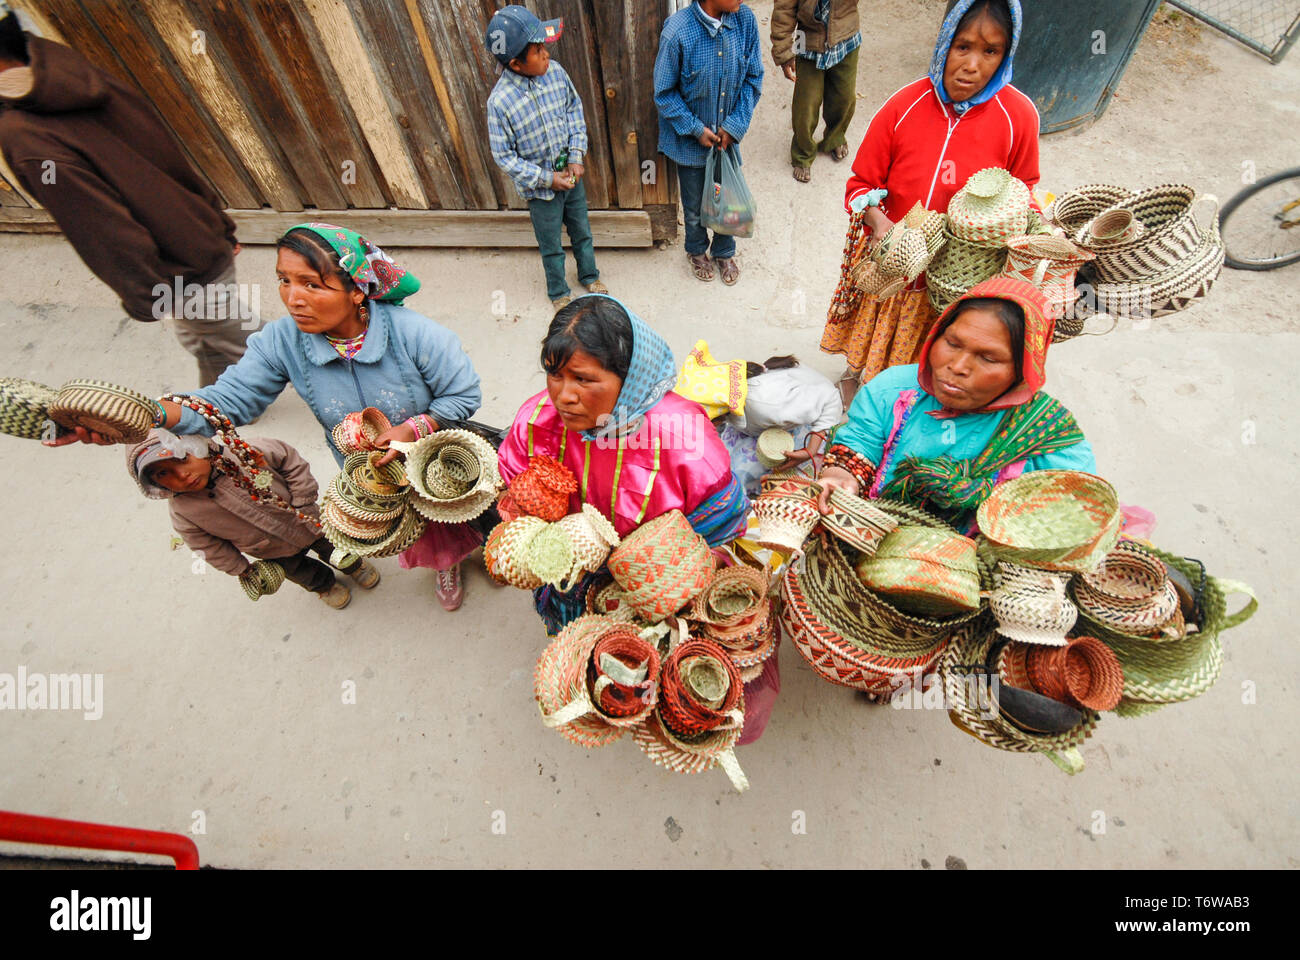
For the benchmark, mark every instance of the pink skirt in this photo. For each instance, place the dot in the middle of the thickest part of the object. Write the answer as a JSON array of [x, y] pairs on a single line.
[[441, 546], [760, 698]]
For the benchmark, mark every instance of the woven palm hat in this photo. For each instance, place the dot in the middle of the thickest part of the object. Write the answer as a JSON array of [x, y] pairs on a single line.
[[368, 531], [591, 536], [543, 488], [466, 506], [661, 566], [404, 533], [1130, 591], [787, 512], [1053, 519], [1031, 605], [359, 503], [691, 755], [24, 407], [560, 684], [118, 413], [856, 521], [924, 570], [505, 552], [992, 206]]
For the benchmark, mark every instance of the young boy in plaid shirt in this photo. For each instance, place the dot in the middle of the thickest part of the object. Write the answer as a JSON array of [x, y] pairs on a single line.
[[539, 137]]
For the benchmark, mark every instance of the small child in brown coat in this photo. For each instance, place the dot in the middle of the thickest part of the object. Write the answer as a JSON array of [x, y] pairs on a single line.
[[219, 519]]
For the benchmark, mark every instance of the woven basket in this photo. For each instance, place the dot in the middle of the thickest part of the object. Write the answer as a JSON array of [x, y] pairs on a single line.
[[732, 596], [874, 283], [457, 509], [1109, 228], [1049, 263], [358, 503], [592, 537], [1171, 234], [856, 521], [960, 265], [117, 413], [924, 570], [409, 529], [368, 531], [606, 597], [262, 579], [1083, 673], [504, 553], [385, 485], [548, 553], [359, 431], [1178, 288], [992, 206], [1031, 605], [774, 445], [623, 675], [544, 487], [699, 689], [1129, 592], [694, 755], [1075, 208], [24, 407], [560, 685], [982, 721], [661, 566], [1053, 519], [787, 513]]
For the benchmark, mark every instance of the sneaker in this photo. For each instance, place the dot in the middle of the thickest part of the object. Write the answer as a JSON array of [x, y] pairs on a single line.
[[597, 287], [366, 575], [448, 587], [559, 303], [337, 596]]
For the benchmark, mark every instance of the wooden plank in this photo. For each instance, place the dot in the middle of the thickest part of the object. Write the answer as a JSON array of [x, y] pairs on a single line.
[[646, 23], [576, 51], [292, 37], [144, 60], [235, 39], [463, 74], [11, 195], [448, 228], [338, 34], [386, 34], [612, 24], [32, 9], [176, 27]]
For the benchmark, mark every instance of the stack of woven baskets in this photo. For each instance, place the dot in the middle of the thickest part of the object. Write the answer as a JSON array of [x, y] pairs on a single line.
[[367, 508], [1156, 252], [902, 255], [452, 475], [1080, 623]]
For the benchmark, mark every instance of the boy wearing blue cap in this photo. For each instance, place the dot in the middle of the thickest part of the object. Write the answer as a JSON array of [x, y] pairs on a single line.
[[538, 137]]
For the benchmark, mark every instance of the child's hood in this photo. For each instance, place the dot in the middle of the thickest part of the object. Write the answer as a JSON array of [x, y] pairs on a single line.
[[162, 444]]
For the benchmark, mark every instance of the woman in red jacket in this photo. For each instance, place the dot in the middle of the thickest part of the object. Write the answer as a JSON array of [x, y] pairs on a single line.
[[921, 146]]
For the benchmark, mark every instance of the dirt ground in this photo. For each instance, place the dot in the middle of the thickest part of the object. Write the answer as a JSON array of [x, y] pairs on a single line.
[[228, 715]]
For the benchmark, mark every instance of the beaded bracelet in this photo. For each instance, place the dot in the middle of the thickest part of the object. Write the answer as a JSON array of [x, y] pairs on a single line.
[[429, 422], [159, 415], [258, 488], [416, 427], [862, 469]]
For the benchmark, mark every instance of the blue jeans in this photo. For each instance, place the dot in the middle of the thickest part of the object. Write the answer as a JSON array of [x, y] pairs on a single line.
[[568, 209], [691, 180]]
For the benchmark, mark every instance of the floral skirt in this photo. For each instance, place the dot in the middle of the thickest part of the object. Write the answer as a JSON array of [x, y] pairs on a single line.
[[877, 334]]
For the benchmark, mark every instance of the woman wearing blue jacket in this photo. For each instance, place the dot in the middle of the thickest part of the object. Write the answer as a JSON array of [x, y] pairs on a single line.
[[348, 343]]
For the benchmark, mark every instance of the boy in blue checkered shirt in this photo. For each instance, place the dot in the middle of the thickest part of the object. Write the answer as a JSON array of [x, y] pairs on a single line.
[[539, 137]]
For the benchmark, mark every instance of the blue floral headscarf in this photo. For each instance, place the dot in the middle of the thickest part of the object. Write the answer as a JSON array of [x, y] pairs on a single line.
[[1001, 77], [651, 373]]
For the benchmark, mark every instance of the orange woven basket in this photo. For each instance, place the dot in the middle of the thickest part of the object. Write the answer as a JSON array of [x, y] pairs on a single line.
[[613, 696], [661, 566], [680, 705], [1084, 673], [543, 489]]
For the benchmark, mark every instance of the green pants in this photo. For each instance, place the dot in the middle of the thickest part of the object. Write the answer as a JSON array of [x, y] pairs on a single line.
[[833, 94]]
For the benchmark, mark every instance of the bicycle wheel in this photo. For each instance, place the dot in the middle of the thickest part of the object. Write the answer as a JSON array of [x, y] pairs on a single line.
[[1261, 224]]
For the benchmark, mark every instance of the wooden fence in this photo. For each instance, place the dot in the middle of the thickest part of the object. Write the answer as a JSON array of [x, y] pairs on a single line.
[[373, 111]]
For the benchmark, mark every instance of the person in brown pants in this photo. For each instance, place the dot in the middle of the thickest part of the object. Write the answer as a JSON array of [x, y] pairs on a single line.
[[815, 43]]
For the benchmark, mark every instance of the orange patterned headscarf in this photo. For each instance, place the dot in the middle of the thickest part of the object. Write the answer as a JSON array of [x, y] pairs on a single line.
[[1039, 327]]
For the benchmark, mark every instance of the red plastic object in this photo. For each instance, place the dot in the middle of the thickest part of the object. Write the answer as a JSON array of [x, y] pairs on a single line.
[[25, 828]]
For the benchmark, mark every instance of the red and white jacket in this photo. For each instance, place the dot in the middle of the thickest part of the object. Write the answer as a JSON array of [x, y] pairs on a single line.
[[917, 148]]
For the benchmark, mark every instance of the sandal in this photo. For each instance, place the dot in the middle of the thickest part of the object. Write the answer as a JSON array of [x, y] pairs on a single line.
[[729, 269], [802, 174], [701, 266], [849, 384]]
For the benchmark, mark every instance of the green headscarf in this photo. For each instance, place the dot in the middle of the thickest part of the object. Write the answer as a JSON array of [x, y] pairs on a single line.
[[369, 267]]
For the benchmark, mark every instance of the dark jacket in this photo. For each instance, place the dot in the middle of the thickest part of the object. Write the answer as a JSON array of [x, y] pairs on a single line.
[[98, 157], [789, 14]]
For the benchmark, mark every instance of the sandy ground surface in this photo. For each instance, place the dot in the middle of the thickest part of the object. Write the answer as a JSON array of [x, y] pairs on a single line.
[[219, 707]]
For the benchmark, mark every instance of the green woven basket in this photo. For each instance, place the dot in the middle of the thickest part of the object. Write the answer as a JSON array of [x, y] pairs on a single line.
[[924, 570], [960, 265], [1054, 519], [24, 407]]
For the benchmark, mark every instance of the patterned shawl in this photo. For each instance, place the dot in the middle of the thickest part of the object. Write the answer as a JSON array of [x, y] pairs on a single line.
[[369, 267], [650, 375]]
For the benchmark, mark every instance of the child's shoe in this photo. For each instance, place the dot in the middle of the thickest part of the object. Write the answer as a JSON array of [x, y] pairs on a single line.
[[597, 287], [448, 587], [366, 575], [559, 303], [337, 596]]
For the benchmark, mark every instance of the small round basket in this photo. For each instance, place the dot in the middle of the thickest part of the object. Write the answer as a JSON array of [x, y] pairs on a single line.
[[623, 675], [262, 579], [118, 413], [992, 206], [787, 512], [505, 553], [465, 506], [1053, 519], [857, 522], [924, 570], [1084, 673], [1032, 605], [661, 566]]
